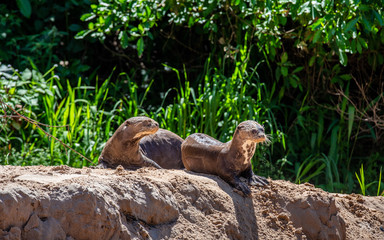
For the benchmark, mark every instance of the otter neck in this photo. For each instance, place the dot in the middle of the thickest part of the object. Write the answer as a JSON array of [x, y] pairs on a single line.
[[138, 157], [244, 149], [134, 150]]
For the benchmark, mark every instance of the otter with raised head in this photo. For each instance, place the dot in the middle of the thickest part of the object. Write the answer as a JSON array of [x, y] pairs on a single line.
[[230, 160], [139, 142]]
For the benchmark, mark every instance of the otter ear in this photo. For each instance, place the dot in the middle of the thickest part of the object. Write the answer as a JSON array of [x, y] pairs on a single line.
[[240, 127]]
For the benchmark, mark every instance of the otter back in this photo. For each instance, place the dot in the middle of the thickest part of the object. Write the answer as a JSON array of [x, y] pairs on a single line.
[[163, 147]]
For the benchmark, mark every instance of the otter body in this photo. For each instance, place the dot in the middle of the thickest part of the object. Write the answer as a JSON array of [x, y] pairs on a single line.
[[231, 160], [163, 147], [125, 147]]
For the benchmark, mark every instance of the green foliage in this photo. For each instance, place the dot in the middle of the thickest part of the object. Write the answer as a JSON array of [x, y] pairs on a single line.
[[361, 180], [64, 113], [364, 187], [79, 116], [25, 7], [41, 34], [379, 186], [343, 27], [219, 105]]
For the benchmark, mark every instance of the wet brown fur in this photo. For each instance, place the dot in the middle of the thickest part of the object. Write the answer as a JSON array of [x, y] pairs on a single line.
[[230, 160], [139, 142], [163, 147]]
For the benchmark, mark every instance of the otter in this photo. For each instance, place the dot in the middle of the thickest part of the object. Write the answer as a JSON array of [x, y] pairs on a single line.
[[139, 142], [230, 160]]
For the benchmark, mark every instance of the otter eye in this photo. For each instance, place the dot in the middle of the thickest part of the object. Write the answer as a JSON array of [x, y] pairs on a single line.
[[254, 131]]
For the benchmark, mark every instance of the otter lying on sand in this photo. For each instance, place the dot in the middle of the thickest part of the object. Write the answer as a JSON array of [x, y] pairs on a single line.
[[202, 153], [139, 142]]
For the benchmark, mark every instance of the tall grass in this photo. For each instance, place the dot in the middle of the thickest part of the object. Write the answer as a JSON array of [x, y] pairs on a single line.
[[72, 114], [84, 117], [218, 105]]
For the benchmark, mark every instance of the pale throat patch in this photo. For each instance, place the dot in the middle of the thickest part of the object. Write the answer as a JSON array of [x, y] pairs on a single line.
[[248, 151]]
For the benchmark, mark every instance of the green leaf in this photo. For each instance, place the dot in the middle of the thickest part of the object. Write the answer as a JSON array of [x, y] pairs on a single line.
[[141, 28], [363, 42], [282, 20], [148, 11], [25, 7], [16, 125], [380, 59], [343, 57], [124, 39], [82, 34], [140, 46], [87, 16], [284, 58], [298, 69], [236, 2], [346, 77], [278, 73], [316, 36], [312, 61], [284, 71], [318, 24], [304, 8], [358, 46], [378, 17], [351, 24], [190, 21], [108, 21], [367, 24], [293, 82], [27, 74], [353, 46], [150, 35]]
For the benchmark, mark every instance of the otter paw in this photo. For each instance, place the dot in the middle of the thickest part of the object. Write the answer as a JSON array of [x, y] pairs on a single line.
[[243, 188], [258, 181]]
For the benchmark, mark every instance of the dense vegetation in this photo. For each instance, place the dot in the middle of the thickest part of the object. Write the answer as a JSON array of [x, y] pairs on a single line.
[[310, 71]]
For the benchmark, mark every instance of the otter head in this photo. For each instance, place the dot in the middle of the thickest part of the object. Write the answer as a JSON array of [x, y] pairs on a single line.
[[137, 127], [251, 131], [123, 146], [246, 136]]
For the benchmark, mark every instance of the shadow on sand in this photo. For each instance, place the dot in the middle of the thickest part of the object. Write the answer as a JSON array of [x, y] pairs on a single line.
[[246, 226]]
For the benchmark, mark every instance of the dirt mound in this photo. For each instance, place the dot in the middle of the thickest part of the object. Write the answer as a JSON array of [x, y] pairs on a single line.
[[66, 203]]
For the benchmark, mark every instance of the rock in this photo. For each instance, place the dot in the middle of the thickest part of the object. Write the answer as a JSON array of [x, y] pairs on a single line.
[[65, 203], [44, 229], [146, 203], [317, 216]]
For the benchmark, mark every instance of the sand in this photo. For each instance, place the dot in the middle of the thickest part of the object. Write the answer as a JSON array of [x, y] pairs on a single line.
[[39, 202]]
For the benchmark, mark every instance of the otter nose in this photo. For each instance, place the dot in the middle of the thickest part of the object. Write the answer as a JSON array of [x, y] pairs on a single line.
[[156, 124]]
